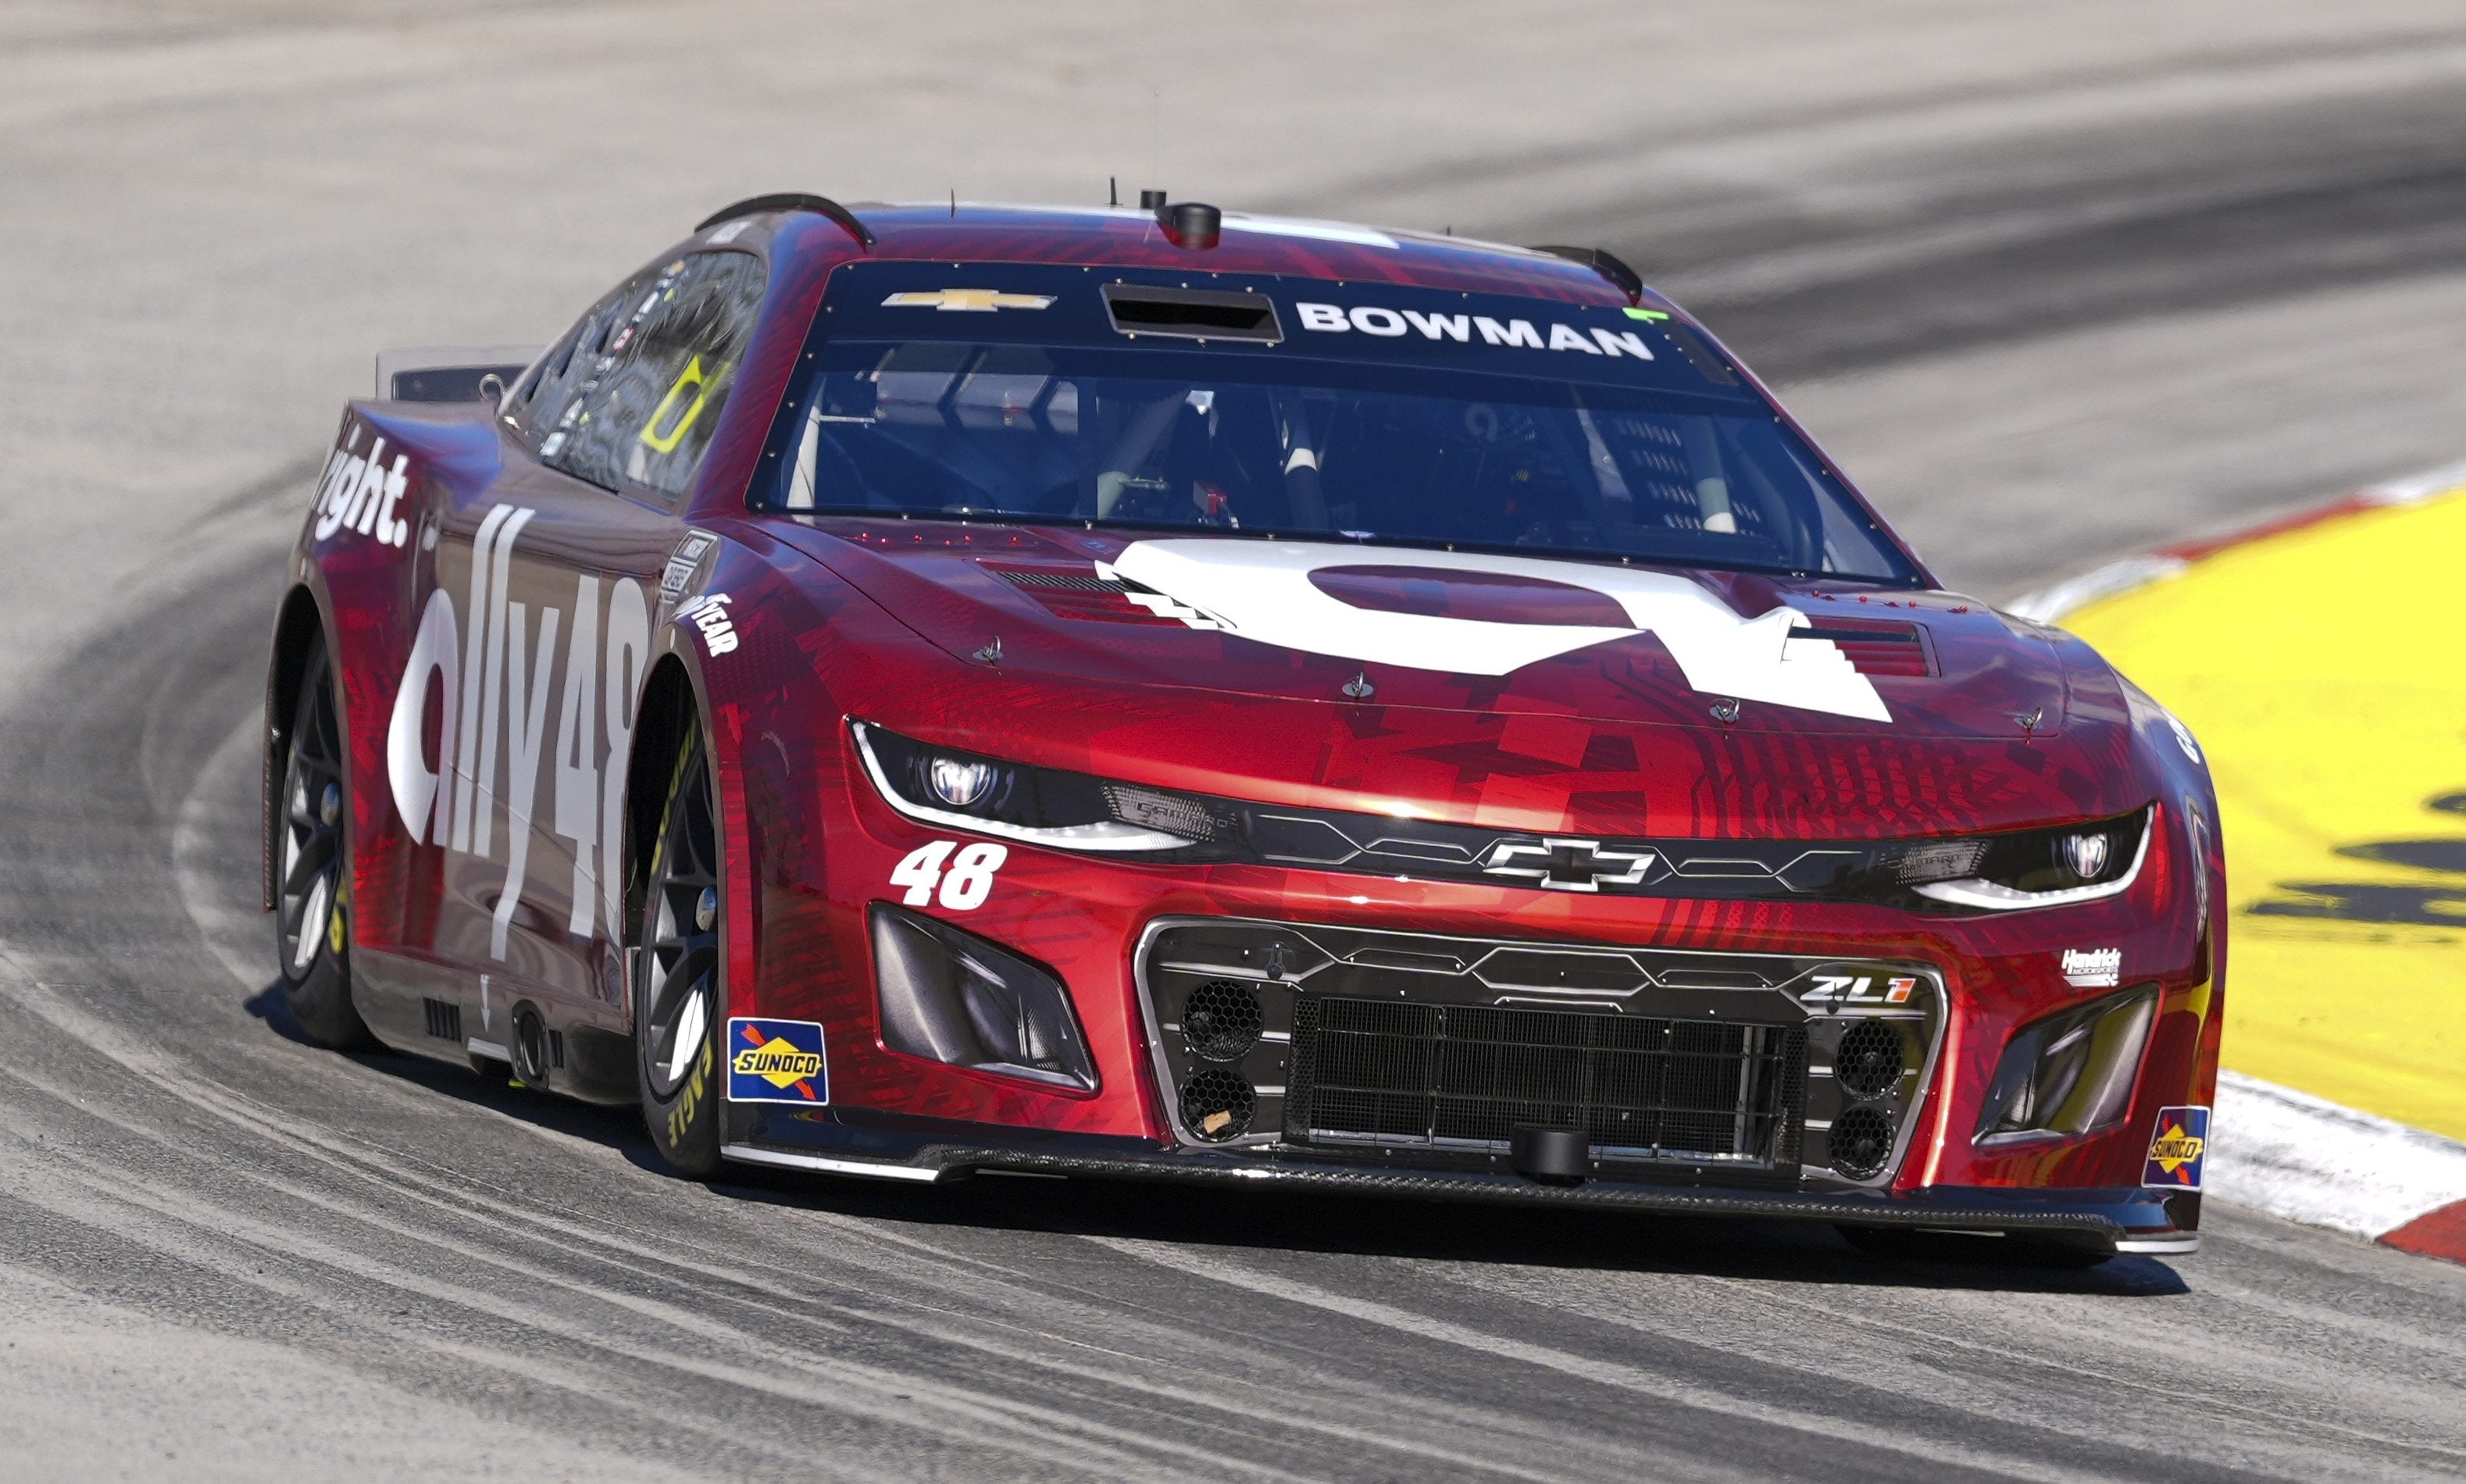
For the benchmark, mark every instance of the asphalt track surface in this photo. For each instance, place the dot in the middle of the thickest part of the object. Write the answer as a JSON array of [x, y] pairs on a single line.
[[2054, 284]]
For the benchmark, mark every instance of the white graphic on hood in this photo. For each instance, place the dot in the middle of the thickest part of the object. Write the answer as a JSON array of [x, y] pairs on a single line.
[[1262, 590]]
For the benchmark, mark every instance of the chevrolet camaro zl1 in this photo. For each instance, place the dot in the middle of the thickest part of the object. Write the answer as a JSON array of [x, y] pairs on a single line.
[[1158, 693]]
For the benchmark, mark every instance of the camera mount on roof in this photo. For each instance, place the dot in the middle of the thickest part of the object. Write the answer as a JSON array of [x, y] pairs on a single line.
[[1193, 224]]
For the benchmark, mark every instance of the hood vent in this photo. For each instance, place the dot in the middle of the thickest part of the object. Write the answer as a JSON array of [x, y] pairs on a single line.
[[1080, 595], [1875, 646]]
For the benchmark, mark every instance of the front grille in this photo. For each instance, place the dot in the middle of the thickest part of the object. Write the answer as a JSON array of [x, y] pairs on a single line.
[[1462, 1078], [1422, 1049]]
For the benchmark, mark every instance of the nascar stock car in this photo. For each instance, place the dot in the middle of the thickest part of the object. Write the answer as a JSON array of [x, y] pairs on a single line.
[[1155, 692]]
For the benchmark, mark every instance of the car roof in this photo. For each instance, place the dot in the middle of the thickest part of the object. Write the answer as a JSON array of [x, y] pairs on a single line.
[[968, 232]]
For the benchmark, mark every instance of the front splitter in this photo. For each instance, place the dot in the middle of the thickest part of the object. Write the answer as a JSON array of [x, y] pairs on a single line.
[[2123, 1221]]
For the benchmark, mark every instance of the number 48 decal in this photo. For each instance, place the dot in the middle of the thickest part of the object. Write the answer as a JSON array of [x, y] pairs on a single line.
[[968, 882]]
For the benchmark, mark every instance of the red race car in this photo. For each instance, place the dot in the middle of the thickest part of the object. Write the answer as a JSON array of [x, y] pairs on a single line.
[[1168, 694]]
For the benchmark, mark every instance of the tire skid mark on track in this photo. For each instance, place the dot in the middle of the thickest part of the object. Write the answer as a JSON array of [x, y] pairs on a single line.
[[860, 1392], [971, 1412], [164, 1074], [741, 1291], [1611, 1373], [2089, 1414]]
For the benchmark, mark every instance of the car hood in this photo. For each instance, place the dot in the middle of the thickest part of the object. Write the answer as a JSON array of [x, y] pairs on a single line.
[[1450, 631]]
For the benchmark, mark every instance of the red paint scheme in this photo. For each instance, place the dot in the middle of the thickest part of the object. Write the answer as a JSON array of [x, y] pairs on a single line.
[[838, 617]]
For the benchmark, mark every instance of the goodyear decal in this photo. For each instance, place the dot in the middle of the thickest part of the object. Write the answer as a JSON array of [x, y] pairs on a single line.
[[2178, 1149], [776, 1062]]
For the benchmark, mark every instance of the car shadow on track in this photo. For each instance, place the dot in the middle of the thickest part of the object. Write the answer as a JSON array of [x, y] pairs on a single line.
[[1281, 1220]]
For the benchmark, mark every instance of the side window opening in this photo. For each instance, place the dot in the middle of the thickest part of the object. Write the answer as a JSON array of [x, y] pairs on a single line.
[[650, 372]]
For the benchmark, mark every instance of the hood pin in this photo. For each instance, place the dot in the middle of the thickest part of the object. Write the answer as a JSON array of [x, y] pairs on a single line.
[[990, 654], [1359, 688], [1726, 713]]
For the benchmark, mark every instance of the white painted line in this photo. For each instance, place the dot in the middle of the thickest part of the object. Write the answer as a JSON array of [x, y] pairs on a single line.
[[2049, 604], [2416, 487]]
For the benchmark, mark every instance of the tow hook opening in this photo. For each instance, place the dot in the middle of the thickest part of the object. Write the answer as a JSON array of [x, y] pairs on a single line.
[[1550, 1156]]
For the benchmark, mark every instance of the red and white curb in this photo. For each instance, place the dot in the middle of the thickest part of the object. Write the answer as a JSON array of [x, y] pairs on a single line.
[[2273, 1148], [2310, 1160]]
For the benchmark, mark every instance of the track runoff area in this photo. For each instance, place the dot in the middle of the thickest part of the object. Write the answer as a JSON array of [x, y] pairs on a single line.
[[2317, 660]]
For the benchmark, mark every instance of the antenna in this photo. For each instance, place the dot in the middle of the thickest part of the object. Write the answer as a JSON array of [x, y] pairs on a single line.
[[955, 200], [1113, 191]]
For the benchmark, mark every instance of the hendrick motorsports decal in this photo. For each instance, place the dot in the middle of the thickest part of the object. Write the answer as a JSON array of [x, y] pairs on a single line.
[[776, 1062], [2178, 1149], [1262, 590], [2093, 968]]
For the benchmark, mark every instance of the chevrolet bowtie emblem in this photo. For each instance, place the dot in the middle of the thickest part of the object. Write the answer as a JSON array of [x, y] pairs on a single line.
[[977, 299], [1569, 865]]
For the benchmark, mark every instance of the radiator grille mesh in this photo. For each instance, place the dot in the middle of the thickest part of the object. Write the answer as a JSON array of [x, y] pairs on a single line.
[[1465, 1076]]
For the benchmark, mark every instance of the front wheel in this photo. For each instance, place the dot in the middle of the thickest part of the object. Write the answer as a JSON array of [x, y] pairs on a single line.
[[311, 916], [678, 1003]]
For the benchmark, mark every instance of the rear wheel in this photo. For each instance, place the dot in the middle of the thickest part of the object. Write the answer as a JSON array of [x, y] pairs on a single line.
[[2015, 1250], [678, 1003], [312, 909]]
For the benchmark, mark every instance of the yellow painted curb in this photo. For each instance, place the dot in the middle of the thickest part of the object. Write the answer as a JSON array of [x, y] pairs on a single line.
[[2324, 670]]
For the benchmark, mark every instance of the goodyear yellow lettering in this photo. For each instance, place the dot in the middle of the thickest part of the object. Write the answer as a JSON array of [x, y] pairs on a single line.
[[690, 1101]]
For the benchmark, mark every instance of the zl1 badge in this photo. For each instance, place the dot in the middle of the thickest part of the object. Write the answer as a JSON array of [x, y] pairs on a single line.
[[776, 1062], [2177, 1150]]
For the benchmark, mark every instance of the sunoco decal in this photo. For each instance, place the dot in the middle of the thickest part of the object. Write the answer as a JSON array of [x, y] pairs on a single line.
[[776, 1062], [2178, 1149]]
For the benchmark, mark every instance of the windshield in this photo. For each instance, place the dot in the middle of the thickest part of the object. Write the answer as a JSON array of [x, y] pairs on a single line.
[[1271, 439]]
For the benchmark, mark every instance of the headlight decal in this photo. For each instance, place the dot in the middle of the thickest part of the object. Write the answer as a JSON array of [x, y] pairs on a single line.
[[2007, 879], [1004, 799]]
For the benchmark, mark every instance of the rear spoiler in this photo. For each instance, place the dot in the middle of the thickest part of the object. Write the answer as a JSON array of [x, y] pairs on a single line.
[[450, 375]]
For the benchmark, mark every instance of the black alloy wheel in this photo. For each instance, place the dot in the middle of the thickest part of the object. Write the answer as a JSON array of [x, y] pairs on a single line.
[[677, 998], [312, 907]]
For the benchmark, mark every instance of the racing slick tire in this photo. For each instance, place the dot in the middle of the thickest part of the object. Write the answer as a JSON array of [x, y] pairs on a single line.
[[679, 1008], [1898, 1244], [312, 907]]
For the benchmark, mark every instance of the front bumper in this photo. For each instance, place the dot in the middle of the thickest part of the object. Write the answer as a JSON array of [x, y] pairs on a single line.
[[1958, 985], [2123, 1221]]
